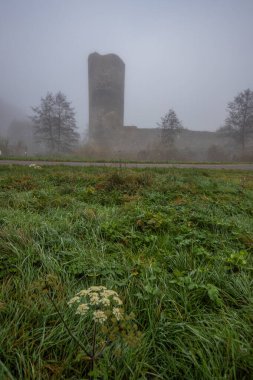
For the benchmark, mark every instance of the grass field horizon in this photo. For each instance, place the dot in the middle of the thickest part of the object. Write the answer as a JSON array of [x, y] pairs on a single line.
[[175, 244], [80, 158]]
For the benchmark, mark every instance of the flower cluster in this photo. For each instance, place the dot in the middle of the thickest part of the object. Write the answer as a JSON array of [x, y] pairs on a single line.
[[112, 326], [100, 302], [34, 166]]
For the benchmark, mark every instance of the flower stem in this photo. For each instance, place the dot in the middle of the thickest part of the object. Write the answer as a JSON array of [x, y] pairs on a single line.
[[65, 325], [93, 358]]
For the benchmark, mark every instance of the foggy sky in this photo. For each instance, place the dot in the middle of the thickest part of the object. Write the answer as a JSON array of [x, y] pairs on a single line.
[[190, 55]]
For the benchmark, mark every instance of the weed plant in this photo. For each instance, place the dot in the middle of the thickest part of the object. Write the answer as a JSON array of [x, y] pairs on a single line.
[[175, 244]]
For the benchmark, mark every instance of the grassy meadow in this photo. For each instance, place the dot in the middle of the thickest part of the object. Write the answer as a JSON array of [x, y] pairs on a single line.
[[175, 244]]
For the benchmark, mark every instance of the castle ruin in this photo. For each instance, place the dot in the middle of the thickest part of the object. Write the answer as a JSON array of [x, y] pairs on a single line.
[[106, 116]]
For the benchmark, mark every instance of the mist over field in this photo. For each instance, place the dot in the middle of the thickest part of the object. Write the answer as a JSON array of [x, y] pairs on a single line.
[[192, 57]]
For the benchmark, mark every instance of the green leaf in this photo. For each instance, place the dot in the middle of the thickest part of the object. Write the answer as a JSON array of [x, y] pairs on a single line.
[[213, 293]]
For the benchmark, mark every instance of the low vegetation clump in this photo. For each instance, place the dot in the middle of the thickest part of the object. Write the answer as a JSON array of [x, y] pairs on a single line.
[[125, 274]]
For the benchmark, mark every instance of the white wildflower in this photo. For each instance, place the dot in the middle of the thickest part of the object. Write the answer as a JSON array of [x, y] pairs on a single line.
[[74, 300], [105, 301], [109, 293], [94, 299], [99, 316], [83, 292], [117, 300], [82, 309], [108, 301], [34, 166], [96, 288], [117, 313]]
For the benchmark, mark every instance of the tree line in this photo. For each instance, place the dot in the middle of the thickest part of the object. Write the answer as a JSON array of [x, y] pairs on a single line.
[[238, 124], [54, 123]]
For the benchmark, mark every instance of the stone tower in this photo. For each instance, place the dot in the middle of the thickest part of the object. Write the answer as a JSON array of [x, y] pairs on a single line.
[[106, 96]]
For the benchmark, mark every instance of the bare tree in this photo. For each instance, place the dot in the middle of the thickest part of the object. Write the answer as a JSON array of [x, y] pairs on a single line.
[[239, 123], [54, 123], [171, 127]]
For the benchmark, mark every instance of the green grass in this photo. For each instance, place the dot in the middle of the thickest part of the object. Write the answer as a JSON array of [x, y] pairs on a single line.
[[176, 244]]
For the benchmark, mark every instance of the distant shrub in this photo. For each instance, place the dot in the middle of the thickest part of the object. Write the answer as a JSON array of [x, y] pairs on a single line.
[[128, 182]]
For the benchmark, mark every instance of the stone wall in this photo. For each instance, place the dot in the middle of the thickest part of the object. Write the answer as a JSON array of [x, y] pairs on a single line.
[[195, 145]]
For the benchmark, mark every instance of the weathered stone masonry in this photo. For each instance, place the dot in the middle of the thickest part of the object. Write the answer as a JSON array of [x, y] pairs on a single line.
[[106, 95]]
